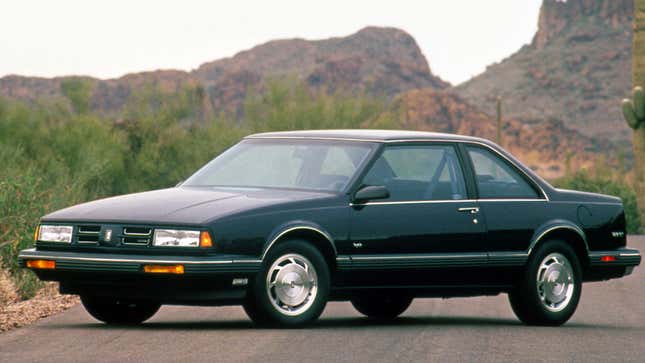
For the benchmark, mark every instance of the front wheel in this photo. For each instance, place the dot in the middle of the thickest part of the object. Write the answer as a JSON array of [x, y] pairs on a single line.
[[549, 290], [115, 311], [381, 307], [291, 288]]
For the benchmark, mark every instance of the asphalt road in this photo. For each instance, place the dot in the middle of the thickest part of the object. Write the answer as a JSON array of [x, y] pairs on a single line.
[[608, 326]]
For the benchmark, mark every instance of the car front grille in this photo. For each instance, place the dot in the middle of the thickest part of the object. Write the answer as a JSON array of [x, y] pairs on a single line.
[[137, 236], [116, 238], [88, 234]]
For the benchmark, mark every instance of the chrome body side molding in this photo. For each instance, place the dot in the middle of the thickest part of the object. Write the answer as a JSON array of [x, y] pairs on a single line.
[[279, 235], [543, 231]]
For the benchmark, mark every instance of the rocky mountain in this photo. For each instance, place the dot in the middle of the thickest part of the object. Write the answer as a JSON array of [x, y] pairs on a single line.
[[576, 69], [560, 93], [545, 146], [380, 61], [383, 61]]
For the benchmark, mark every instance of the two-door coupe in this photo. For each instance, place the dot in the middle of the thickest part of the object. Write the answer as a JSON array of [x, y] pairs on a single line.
[[283, 222]]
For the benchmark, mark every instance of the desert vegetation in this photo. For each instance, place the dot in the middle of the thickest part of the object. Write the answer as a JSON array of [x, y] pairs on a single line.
[[57, 152]]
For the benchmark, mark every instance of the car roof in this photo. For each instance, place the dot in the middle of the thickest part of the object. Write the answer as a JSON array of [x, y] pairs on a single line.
[[366, 135]]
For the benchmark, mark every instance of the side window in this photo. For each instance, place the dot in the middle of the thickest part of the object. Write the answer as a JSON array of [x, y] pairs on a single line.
[[419, 173], [496, 178]]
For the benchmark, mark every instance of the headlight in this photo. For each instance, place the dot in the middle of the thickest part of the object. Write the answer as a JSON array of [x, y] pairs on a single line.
[[61, 234], [175, 238]]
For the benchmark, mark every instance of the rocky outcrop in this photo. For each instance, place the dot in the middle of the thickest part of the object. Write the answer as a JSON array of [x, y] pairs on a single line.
[[556, 16], [374, 60], [380, 61], [543, 146], [576, 70]]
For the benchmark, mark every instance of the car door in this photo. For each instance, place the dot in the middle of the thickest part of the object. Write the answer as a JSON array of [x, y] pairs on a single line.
[[429, 218], [512, 205]]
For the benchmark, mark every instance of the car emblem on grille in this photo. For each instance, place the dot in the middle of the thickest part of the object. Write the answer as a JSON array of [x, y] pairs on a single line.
[[108, 235]]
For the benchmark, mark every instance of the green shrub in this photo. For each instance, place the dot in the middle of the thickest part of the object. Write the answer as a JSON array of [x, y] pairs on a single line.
[[79, 92], [53, 156], [584, 181]]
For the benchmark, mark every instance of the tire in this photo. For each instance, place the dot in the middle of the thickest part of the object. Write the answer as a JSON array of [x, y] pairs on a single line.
[[381, 307], [115, 311], [279, 294], [548, 291], [252, 311]]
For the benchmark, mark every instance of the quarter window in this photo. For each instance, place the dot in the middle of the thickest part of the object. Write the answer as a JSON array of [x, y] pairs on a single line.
[[422, 172], [496, 178]]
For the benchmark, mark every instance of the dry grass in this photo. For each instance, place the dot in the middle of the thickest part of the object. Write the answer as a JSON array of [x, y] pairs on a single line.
[[15, 313], [8, 293]]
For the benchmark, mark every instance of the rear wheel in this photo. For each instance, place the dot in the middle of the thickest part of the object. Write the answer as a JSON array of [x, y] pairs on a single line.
[[115, 311], [549, 290], [291, 288], [381, 307]]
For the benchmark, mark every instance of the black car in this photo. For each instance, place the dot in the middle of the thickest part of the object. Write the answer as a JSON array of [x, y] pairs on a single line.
[[283, 222]]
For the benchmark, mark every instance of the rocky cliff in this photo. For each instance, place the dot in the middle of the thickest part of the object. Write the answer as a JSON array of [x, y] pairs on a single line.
[[575, 70], [543, 146]]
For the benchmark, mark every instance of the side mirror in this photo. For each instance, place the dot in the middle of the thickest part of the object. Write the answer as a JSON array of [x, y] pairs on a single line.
[[371, 192]]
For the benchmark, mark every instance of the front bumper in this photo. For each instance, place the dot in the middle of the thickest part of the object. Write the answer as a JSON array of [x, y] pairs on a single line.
[[211, 280], [118, 263]]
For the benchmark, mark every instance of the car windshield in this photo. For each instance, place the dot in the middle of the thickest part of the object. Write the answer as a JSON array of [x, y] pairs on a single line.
[[296, 164]]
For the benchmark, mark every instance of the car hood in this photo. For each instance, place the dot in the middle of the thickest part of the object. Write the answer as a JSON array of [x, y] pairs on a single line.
[[184, 205]]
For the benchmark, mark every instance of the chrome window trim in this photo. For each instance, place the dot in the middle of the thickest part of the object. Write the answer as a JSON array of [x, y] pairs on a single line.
[[488, 147], [277, 238], [545, 196], [446, 201], [588, 203], [414, 202], [512, 200]]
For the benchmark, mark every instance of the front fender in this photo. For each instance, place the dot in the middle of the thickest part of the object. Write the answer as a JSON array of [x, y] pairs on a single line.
[[294, 226]]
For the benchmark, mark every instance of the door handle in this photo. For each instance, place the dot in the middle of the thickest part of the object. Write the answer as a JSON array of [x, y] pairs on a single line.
[[472, 210]]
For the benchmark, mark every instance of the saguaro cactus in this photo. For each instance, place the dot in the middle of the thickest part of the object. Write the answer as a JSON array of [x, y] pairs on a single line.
[[634, 112], [634, 109]]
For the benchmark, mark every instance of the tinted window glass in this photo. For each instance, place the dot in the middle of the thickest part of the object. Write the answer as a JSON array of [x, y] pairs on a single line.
[[315, 165], [419, 173], [496, 178]]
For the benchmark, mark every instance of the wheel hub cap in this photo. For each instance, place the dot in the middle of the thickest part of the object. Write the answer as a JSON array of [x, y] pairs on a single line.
[[292, 284], [555, 282]]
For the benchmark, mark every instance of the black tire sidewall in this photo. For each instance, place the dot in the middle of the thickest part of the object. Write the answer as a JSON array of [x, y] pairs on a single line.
[[526, 301], [264, 311], [380, 306], [113, 311]]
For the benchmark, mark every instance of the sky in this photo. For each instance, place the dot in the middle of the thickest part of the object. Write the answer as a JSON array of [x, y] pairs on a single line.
[[108, 39]]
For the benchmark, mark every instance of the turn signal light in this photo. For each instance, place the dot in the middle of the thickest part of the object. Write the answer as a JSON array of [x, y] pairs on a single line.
[[42, 264], [36, 233], [164, 269], [608, 258], [205, 240]]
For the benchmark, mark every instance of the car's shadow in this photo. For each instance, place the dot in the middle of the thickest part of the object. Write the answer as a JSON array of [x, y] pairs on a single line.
[[340, 323]]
